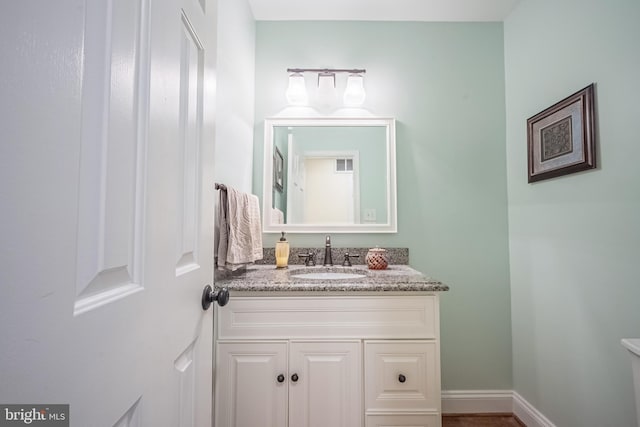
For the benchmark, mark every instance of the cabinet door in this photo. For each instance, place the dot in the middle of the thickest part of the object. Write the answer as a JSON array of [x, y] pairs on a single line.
[[248, 390], [328, 390], [401, 376]]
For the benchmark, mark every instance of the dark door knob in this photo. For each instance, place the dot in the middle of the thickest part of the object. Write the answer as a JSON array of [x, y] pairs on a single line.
[[209, 296], [402, 378], [294, 378], [280, 378]]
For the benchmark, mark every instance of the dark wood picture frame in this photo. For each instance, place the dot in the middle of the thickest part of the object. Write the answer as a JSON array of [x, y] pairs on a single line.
[[278, 170], [561, 139]]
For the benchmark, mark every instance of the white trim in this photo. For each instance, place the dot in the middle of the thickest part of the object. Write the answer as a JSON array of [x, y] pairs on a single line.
[[493, 401], [477, 401], [528, 414]]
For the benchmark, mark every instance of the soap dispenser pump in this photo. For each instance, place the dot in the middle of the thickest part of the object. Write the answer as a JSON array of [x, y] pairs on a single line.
[[282, 252]]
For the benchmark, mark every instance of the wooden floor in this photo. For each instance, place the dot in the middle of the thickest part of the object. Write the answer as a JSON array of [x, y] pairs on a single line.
[[494, 420]]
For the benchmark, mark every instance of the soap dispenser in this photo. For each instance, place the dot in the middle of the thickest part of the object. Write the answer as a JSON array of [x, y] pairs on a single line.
[[282, 252]]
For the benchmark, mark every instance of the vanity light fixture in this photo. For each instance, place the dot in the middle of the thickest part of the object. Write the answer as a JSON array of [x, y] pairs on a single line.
[[354, 93]]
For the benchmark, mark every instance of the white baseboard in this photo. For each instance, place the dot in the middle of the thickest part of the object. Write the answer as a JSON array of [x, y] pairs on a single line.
[[492, 401], [477, 401], [528, 414]]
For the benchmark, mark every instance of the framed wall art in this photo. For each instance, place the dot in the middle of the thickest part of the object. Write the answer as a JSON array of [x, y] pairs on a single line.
[[561, 139], [278, 170]]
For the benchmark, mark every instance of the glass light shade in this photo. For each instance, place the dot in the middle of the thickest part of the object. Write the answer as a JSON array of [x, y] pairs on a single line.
[[354, 93], [297, 90]]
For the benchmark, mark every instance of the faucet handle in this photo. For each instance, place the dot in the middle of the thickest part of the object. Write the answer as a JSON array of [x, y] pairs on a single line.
[[309, 258], [347, 259]]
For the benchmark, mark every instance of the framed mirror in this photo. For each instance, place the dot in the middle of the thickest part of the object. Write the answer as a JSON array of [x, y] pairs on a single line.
[[329, 175]]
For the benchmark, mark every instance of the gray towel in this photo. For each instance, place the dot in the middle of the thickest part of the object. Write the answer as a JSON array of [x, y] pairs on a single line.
[[221, 240], [240, 231]]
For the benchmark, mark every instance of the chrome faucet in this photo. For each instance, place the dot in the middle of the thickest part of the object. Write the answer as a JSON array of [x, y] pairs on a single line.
[[327, 253]]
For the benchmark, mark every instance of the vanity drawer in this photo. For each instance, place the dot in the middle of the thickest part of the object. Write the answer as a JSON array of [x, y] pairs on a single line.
[[431, 420], [334, 317], [401, 376]]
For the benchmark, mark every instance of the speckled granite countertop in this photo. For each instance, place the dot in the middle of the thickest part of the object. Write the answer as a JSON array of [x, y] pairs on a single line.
[[266, 278]]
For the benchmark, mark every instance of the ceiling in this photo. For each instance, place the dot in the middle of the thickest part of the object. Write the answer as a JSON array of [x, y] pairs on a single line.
[[382, 10]]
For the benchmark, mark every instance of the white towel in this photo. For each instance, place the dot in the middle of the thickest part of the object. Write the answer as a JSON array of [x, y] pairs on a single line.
[[240, 241], [277, 216]]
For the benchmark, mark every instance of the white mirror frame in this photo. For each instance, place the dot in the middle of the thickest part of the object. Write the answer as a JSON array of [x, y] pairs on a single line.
[[389, 227]]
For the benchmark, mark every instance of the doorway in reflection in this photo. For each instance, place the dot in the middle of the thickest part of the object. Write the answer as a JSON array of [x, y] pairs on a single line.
[[324, 172], [330, 189]]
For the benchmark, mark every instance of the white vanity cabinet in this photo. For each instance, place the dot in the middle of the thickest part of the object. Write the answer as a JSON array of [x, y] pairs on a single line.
[[328, 360]]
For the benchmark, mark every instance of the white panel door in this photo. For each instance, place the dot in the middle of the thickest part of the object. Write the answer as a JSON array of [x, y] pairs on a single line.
[[325, 386], [107, 209], [251, 384], [325, 187], [180, 210]]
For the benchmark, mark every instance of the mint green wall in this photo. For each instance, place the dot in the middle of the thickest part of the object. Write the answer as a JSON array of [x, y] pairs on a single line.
[[444, 84], [575, 240]]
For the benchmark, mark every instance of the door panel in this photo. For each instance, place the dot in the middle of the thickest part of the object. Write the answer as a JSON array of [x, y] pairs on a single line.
[[191, 55], [131, 418], [111, 178]]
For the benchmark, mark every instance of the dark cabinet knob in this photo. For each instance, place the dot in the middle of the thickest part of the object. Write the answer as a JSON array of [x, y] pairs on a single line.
[[402, 378], [280, 378], [294, 378]]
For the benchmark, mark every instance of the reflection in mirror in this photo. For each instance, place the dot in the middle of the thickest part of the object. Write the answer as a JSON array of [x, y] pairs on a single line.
[[329, 175]]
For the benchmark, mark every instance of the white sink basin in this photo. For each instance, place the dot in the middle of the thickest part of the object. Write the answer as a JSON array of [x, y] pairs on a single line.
[[328, 275]]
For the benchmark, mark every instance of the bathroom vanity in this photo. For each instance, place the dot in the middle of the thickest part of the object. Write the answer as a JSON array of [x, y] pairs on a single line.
[[340, 352]]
